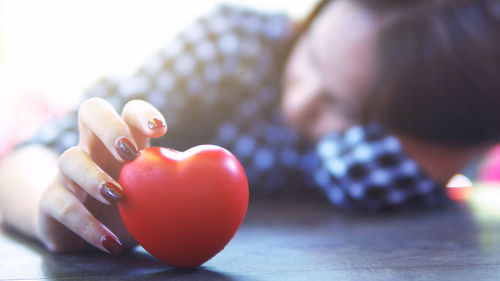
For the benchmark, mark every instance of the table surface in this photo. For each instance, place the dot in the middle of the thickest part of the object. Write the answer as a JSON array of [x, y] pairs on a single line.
[[298, 240]]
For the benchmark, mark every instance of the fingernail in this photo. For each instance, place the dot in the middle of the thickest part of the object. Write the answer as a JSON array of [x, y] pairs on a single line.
[[156, 123], [110, 192], [111, 244], [126, 149]]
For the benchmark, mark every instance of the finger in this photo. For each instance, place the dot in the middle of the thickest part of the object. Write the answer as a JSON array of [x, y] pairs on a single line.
[[99, 117], [64, 207], [144, 119], [77, 165]]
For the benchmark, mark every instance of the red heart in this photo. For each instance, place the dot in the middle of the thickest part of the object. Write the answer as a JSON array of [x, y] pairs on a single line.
[[183, 207]]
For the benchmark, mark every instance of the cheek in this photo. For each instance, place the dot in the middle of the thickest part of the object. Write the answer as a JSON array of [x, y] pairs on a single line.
[[328, 121], [305, 105], [297, 69], [298, 103], [349, 67], [299, 84]]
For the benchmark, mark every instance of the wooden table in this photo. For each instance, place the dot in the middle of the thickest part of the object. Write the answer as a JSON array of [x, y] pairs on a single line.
[[298, 240]]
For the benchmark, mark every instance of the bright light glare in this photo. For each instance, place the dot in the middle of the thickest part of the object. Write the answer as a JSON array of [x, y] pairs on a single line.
[[484, 201], [458, 181], [459, 187], [51, 51], [63, 46]]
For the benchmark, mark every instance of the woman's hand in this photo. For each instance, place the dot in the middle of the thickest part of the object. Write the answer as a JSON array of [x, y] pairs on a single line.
[[79, 207]]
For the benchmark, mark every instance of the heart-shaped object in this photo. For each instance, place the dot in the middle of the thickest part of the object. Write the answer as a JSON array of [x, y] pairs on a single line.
[[183, 207]]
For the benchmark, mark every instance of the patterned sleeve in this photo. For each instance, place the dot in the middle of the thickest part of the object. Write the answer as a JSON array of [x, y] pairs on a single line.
[[365, 168]]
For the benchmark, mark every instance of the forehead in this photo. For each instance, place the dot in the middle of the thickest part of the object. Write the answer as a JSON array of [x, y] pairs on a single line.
[[343, 38]]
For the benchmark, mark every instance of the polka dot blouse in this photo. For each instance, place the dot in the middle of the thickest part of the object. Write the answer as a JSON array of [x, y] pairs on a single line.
[[218, 82]]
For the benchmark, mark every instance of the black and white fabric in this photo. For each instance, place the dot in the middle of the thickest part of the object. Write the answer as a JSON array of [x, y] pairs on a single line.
[[364, 167], [219, 82]]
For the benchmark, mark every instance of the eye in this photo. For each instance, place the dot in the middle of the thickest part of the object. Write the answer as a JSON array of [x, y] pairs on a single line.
[[329, 98], [338, 106]]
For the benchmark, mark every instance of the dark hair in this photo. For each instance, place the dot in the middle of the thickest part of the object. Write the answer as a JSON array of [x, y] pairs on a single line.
[[438, 69]]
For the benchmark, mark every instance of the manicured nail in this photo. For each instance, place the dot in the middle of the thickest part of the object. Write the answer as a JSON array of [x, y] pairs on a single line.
[[126, 149], [111, 244], [155, 123], [110, 192]]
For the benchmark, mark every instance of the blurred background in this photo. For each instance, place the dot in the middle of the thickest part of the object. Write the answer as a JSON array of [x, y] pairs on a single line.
[[52, 50]]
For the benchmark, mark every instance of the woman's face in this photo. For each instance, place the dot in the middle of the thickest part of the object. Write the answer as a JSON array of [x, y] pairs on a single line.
[[330, 70], [329, 75]]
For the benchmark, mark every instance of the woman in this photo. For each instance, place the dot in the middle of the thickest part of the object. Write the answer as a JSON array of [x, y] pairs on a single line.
[[386, 100]]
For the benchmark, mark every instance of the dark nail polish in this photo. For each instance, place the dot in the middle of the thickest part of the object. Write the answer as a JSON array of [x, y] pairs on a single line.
[[126, 149], [155, 123], [110, 192], [111, 244]]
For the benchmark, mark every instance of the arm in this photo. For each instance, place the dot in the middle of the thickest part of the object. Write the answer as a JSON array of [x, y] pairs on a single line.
[[23, 174]]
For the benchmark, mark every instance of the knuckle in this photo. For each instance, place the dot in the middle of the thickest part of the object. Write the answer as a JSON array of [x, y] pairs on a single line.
[[95, 101], [45, 202], [67, 212], [48, 198], [109, 126], [117, 128], [89, 232], [87, 104], [54, 247], [90, 104], [67, 155], [132, 103], [138, 105], [91, 180]]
